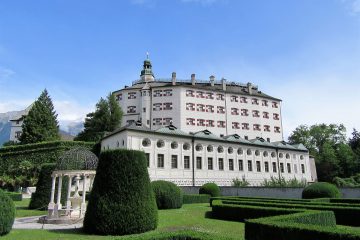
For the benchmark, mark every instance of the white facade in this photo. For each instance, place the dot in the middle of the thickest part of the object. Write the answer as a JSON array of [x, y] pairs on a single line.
[[222, 107], [207, 158]]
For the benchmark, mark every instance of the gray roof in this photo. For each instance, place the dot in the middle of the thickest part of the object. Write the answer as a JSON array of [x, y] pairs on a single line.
[[207, 135], [231, 87]]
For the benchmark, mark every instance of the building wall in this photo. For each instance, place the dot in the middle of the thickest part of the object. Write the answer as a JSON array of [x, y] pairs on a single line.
[[181, 113], [183, 176], [16, 130]]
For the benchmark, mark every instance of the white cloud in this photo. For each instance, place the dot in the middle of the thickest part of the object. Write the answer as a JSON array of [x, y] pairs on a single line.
[[5, 73], [69, 111], [14, 105]]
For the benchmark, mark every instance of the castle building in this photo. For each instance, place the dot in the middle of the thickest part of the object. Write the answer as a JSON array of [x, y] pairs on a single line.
[[195, 131]]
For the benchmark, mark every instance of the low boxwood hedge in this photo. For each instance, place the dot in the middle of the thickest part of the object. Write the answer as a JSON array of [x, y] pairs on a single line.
[[196, 198], [15, 196]]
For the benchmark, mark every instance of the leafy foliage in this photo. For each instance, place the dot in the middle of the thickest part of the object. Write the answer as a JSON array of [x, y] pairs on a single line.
[[7, 213], [41, 122], [210, 188], [236, 182], [281, 182], [353, 181], [196, 198], [106, 118], [121, 205], [321, 190], [167, 194], [15, 196]]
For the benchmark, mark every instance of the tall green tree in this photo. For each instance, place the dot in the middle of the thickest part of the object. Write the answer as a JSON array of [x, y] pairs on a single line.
[[41, 122], [106, 118]]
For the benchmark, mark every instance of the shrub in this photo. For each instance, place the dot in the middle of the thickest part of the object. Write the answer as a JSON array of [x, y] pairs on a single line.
[[40, 198], [167, 194], [210, 188], [7, 213], [15, 196], [236, 182], [196, 198], [281, 182], [122, 200], [321, 190]]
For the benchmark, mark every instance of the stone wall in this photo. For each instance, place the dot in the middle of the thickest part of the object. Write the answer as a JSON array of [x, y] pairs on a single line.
[[270, 192]]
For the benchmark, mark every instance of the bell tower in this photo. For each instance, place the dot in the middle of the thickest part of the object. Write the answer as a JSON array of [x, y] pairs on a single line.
[[147, 74]]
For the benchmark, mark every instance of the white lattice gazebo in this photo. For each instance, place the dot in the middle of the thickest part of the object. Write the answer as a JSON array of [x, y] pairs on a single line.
[[77, 166]]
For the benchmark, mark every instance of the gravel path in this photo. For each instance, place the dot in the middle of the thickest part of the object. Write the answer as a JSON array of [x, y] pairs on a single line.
[[31, 223]]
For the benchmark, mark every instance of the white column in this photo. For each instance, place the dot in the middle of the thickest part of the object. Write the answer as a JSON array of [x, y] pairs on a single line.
[[68, 203], [58, 203], [51, 205], [83, 203]]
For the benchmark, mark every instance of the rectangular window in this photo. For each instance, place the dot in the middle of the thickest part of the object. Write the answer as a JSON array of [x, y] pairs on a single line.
[[201, 108], [174, 161], [128, 122], [167, 106], [221, 164], [147, 155], [220, 109], [157, 107], [295, 168], [233, 98], [255, 113], [276, 116], [200, 94], [209, 95], [266, 128], [167, 121], [131, 109], [157, 121], [144, 109], [210, 163], [277, 129], [119, 97], [282, 167], [256, 127], [186, 162], [235, 125], [190, 121], [266, 165], [210, 108], [157, 93], [221, 124], [219, 96], [190, 106], [231, 164], [160, 160], [258, 166], [255, 101], [266, 115], [288, 167], [274, 167], [244, 112], [302, 168], [243, 99], [249, 165], [131, 95], [210, 123], [198, 163], [190, 93], [234, 111], [265, 103], [201, 122], [245, 126], [275, 105], [241, 165], [168, 92]]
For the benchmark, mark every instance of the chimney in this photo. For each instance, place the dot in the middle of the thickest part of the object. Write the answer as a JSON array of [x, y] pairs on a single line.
[[193, 79], [223, 82], [173, 78], [212, 80], [249, 85]]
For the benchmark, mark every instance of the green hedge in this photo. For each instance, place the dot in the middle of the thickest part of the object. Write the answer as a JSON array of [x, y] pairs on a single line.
[[210, 188], [177, 235], [321, 190], [345, 215], [122, 200], [196, 198], [7, 213], [15, 196], [167, 194], [345, 200]]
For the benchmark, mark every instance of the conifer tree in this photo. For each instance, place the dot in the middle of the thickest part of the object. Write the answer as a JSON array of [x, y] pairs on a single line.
[[41, 122], [106, 118]]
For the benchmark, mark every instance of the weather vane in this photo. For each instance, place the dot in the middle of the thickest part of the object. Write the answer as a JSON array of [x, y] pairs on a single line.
[[147, 55]]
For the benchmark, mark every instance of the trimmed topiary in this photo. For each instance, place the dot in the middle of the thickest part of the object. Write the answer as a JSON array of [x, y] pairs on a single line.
[[210, 188], [321, 190], [122, 200], [7, 213], [167, 194]]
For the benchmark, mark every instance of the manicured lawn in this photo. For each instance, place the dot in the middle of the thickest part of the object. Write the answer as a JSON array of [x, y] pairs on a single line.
[[23, 211], [189, 217]]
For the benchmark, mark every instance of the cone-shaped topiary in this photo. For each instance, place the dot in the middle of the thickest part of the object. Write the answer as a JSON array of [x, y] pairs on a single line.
[[122, 200], [167, 194], [321, 190], [7, 213], [210, 188]]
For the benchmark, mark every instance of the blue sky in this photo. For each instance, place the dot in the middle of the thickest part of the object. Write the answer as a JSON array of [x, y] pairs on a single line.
[[306, 52]]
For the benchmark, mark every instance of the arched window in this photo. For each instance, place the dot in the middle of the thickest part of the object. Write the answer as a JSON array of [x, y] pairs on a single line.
[[265, 154], [220, 149], [287, 156], [198, 147], [281, 155], [210, 148], [248, 152], [230, 150], [240, 151], [160, 143], [146, 142], [257, 152], [273, 154], [301, 157]]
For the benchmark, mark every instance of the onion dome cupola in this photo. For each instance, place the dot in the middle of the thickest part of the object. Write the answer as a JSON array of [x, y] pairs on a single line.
[[146, 74]]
